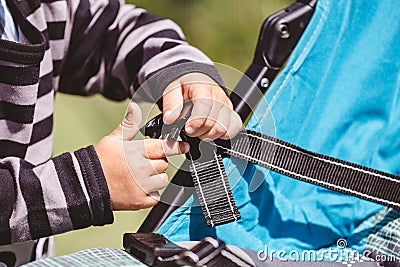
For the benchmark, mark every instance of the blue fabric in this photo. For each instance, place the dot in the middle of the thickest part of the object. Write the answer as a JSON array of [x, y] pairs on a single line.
[[338, 95], [8, 30]]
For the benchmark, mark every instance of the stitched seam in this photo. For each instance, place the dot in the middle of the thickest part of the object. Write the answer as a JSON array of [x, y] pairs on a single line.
[[299, 59], [89, 187], [327, 160], [223, 182], [201, 192], [79, 171], [313, 179]]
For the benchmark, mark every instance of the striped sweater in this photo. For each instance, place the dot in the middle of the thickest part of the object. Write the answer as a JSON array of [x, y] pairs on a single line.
[[79, 47]]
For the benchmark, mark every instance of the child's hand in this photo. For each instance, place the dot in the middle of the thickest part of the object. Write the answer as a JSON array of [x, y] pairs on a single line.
[[212, 116], [133, 181]]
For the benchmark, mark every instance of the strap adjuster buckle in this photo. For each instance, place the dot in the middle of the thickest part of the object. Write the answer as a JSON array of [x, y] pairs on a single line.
[[156, 250], [156, 128]]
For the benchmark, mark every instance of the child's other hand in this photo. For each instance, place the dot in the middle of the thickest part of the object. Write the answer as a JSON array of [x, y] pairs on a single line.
[[135, 169], [212, 116]]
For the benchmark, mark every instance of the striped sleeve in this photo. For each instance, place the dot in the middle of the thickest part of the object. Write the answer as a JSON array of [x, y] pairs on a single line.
[[114, 48], [65, 193]]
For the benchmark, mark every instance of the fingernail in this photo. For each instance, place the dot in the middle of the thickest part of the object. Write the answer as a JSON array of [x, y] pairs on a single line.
[[129, 113], [189, 130], [166, 115], [185, 147]]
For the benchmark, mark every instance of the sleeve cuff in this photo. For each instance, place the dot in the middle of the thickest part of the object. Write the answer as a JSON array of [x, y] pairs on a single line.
[[96, 186], [169, 74], [7, 200], [157, 83]]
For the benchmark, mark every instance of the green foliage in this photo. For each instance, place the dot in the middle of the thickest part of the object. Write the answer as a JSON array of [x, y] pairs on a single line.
[[226, 30]]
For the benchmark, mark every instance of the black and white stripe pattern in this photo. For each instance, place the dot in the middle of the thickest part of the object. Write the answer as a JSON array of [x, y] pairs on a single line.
[[80, 47], [213, 191]]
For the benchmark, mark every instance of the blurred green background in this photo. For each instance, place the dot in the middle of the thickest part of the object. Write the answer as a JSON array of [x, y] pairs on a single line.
[[226, 30]]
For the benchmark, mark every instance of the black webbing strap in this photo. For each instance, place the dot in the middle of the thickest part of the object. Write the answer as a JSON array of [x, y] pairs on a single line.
[[213, 191], [296, 162]]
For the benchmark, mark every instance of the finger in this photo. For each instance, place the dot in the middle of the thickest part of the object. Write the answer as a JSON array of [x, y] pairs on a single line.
[[150, 167], [202, 107], [235, 126], [129, 127], [157, 149], [159, 165], [154, 182], [172, 102], [216, 127], [220, 128], [158, 182]]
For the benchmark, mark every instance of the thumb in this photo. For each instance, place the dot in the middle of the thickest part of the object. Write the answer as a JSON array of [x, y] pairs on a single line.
[[172, 102], [129, 127]]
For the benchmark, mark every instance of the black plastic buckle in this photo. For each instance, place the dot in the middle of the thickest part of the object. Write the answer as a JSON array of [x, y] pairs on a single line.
[[156, 250], [152, 249], [156, 128]]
